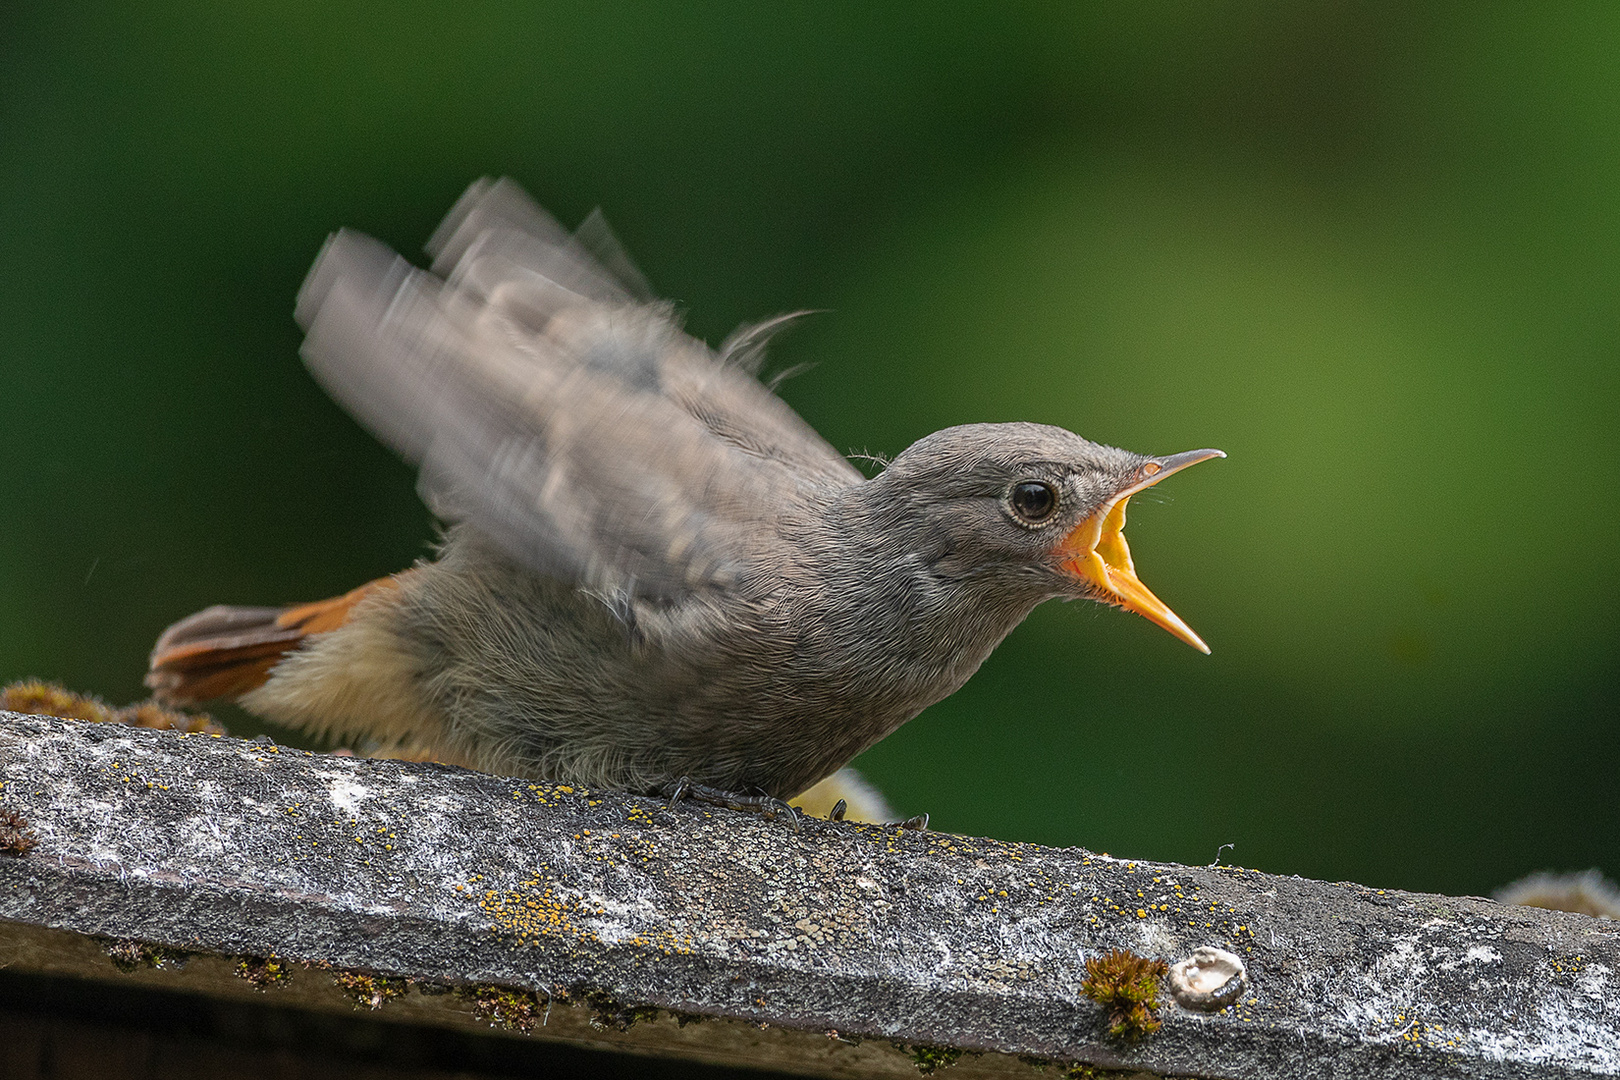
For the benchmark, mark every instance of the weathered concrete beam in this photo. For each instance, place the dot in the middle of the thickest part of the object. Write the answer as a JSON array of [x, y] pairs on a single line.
[[821, 951]]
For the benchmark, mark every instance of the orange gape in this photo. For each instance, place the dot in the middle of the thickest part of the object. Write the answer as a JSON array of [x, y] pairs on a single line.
[[225, 651]]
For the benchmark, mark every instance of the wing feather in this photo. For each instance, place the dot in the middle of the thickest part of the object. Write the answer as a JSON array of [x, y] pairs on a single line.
[[552, 404]]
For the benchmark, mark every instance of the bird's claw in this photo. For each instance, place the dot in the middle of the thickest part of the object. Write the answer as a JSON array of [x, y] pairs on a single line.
[[766, 806]]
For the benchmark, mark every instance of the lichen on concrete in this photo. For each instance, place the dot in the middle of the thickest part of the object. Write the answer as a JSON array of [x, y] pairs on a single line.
[[454, 878]]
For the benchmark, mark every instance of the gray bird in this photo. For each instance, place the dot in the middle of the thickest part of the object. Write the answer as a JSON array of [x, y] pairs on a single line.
[[656, 570]]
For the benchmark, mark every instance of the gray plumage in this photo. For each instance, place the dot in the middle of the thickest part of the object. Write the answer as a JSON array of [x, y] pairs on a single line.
[[553, 408], [656, 568]]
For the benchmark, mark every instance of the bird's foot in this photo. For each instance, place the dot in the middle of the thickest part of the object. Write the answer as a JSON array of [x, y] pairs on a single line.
[[766, 806], [910, 824]]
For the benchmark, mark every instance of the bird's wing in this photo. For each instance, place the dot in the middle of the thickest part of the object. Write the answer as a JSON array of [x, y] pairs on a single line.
[[551, 403]]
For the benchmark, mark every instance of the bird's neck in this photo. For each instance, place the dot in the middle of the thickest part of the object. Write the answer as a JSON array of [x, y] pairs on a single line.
[[918, 622]]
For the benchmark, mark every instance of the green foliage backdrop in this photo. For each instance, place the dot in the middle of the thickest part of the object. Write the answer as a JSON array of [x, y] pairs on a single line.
[[1371, 250]]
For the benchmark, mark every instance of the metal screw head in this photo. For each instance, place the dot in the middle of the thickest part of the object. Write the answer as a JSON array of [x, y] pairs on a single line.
[[1208, 980]]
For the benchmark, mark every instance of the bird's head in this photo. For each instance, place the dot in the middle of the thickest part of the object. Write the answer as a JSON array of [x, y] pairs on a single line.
[[1026, 512]]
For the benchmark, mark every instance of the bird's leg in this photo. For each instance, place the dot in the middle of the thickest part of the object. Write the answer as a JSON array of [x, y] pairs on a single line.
[[766, 806]]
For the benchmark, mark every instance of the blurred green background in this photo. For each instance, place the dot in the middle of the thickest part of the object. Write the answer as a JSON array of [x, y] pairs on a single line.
[[1370, 250]]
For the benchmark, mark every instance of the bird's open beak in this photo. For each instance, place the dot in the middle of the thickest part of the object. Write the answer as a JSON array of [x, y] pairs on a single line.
[[1096, 550]]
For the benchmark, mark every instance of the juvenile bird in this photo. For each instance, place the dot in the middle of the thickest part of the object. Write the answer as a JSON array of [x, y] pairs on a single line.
[[655, 570]]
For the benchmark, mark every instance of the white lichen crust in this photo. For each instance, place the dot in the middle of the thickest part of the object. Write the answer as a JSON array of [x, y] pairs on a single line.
[[450, 877]]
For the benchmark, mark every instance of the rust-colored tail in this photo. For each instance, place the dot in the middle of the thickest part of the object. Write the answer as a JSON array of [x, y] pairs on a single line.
[[223, 651]]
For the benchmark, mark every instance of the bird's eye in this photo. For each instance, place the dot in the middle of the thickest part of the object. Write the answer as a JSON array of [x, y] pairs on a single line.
[[1032, 500]]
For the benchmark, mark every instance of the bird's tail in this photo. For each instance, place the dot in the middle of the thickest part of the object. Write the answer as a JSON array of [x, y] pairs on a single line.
[[225, 651]]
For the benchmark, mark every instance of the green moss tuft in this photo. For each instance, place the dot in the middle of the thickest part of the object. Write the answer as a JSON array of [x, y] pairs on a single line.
[[40, 698], [608, 1011], [130, 956], [930, 1059], [262, 971], [514, 1010], [16, 838], [370, 991], [1127, 985]]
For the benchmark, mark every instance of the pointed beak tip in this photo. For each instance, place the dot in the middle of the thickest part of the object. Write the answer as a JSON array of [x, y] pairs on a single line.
[[1169, 620], [1180, 461]]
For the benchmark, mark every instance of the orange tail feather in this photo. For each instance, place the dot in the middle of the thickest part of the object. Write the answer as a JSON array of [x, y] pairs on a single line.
[[223, 651]]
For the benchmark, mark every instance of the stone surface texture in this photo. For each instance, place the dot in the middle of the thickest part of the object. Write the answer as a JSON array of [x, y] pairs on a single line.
[[837, 949]]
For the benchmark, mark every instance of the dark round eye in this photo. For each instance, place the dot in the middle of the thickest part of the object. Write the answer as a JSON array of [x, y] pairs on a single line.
[[1032, 500]]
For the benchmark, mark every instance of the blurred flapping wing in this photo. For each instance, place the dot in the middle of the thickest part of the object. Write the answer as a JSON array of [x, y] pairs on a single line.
[[553, 404]]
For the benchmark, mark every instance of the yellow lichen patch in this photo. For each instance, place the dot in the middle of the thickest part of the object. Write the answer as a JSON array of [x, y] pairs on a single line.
[[1570, 965], [639, 815], [553, 794], [1416, 1032], [536, 912], [667, 942]]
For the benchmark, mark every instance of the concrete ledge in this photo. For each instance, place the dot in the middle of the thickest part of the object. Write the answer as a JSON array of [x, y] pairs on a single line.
[[840, 950]]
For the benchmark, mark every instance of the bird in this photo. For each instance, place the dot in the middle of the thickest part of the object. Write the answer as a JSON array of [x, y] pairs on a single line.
[[652, 573]]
